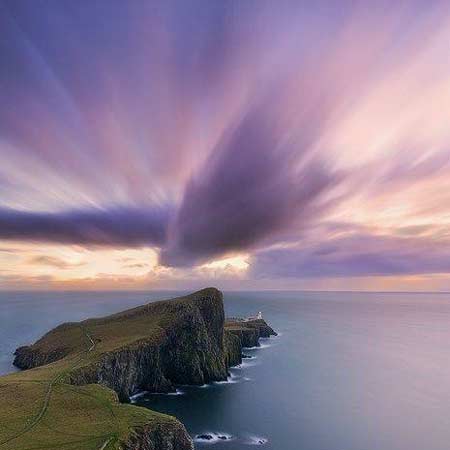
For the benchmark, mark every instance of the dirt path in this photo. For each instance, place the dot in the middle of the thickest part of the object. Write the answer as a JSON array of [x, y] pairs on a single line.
[[105, 444], [48, 395]]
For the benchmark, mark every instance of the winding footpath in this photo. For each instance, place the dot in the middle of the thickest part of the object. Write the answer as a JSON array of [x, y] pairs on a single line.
[[48, 395]]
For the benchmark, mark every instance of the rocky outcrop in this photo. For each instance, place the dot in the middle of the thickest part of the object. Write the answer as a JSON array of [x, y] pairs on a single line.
[[233, 349], [26, 357], [163, 436], [263, 329], [249, 332], [62, 337]]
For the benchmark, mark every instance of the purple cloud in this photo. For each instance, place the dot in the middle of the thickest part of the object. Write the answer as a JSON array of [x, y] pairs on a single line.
[[105, 227], [359, 254], [250, 189]]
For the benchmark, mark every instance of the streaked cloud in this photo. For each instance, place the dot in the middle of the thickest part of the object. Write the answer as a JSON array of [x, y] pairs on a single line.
[[357, 255], [128, 227], [52, 261]]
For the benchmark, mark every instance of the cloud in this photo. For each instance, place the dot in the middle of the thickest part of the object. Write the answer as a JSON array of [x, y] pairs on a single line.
[[136, 266], [253, 187], [52, 261], [7, 250], [356, 255], [128, 227]]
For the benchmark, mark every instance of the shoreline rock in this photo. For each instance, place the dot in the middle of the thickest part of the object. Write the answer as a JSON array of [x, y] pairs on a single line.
[[161, 437], [241, 334]]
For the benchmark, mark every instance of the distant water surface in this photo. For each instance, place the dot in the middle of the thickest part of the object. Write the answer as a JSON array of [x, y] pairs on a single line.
[[350, 371]]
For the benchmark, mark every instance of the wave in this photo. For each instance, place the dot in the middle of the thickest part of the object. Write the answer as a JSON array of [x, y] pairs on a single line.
[[256, 440], [213, 437], [266, 345], [245, 364], [231, 379], [177, 392], [209, 437], [134, 397]]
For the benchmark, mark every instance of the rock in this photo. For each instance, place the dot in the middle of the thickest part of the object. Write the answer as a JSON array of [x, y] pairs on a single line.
[[161, 437], [264, 330], [205, 437], [26, 357], [233, 349], [249, 331], [211, 437]]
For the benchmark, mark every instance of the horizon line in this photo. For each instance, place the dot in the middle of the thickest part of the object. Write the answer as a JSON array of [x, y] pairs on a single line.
[[356, 291]]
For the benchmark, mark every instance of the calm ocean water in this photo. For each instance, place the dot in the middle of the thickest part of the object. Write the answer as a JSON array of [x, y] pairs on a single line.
[[350, 371]]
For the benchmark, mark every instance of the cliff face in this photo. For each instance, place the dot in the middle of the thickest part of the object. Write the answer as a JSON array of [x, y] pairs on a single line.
[[249, 332], [263, 329], [233, 349], [161, 437], [190, 352], [125, 371]]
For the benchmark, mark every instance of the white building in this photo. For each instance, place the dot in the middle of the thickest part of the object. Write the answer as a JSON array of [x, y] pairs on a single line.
[[259, 316]]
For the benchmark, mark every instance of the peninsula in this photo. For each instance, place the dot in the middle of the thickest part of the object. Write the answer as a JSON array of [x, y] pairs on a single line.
[[75, 392]]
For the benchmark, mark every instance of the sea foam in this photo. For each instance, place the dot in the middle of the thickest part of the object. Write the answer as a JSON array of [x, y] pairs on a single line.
[[210, 437]]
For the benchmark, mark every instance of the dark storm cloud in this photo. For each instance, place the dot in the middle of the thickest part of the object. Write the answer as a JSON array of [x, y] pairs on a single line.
[[113, 227]]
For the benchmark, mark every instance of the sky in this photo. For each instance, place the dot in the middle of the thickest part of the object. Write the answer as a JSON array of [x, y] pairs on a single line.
[[243, 144]]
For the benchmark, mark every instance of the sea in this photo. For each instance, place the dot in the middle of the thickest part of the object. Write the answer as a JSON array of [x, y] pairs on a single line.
[[348, 371]]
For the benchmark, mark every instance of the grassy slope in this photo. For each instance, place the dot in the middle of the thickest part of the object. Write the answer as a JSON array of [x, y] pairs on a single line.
[[144, 323], [40, 411]]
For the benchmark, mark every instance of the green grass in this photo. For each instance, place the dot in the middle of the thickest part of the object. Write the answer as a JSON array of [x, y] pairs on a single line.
[[81, 417], [40, 411]]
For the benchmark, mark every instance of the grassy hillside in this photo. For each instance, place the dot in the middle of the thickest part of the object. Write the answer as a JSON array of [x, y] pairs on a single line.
[[93, 337], [40, 411]]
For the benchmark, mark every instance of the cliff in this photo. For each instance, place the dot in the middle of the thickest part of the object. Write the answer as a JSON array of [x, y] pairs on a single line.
[[162, 436], [249, 332], [152, 347]]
